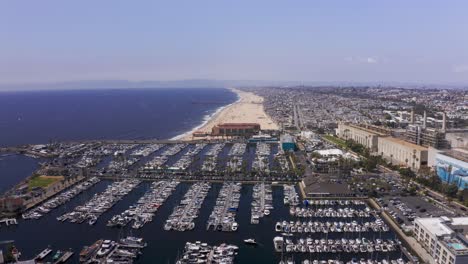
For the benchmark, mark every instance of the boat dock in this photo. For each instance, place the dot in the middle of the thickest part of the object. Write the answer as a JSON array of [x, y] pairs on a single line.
[[43, 254], [9, 221], [223, 216], [65, 257], [183, 215], [145, 208], [262, 202]]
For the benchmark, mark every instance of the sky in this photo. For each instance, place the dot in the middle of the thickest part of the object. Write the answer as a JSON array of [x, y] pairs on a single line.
[[418, 41]]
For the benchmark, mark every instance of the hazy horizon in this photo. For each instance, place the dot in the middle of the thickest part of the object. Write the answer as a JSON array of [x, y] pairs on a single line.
[[413, 42]]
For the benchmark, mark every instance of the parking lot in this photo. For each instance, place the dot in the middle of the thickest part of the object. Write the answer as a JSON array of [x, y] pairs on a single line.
[[405, 209]]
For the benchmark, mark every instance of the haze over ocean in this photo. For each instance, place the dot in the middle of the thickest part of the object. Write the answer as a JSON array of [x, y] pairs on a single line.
[[34, 117]]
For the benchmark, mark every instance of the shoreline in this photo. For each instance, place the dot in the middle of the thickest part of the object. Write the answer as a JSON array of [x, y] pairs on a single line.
[[247, 109], [206, 119]]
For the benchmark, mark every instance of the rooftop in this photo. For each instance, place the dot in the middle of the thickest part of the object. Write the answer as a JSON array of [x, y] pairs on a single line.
[[458, 153], [456, 245], [435, 225], [404, 143]]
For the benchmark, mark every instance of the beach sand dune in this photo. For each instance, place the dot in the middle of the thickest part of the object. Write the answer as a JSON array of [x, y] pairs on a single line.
[[248, 109]]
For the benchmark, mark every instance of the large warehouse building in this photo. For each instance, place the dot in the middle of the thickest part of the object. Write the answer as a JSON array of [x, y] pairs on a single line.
[[400, 152], [236, 129], [361, 135]]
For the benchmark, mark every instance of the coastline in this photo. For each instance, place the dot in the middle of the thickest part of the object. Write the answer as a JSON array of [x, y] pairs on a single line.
[[247, 109], [206, 120]]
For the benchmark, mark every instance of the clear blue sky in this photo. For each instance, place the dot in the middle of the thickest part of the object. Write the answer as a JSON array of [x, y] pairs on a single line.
[[394, 40]]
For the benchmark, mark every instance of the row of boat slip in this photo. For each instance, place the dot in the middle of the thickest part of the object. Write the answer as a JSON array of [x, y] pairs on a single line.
[[94, 153], [121, 149], [309, 245], [282, 161], [235, 164], [196, 149], [238, 149], [291, 197], [184, 215], [156, 162], [121, 164], [261, 164], [174, 149], [263, 149], [60, 199], [215, 149], [126, 250], [199, 252], [354, 261], [100, 203], [145, 208], [146, 150], [262, 202], [223, 216], [209, 164], [58, 257], [331, 227], [330, 212], [334, 202], [183, 163]]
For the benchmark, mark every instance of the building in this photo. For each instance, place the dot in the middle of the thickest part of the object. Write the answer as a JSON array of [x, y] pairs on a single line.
[[11, 204], [457, 138], [288, 143], [262, 138], [443, 238], [236, 129], [427, 137], [400, 152], [452, 167], [366, 136]]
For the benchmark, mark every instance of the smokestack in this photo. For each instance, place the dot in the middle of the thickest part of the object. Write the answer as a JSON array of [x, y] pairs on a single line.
[[444, 121], [412, 116], [425, 120]]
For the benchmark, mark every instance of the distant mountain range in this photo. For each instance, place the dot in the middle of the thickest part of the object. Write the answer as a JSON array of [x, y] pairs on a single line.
[[205, 83]]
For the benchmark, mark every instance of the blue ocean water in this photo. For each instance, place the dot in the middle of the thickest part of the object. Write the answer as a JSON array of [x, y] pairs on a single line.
[[35, 117]]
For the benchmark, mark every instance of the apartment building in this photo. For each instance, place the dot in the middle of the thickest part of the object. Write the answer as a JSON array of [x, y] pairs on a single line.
[[445, 239]]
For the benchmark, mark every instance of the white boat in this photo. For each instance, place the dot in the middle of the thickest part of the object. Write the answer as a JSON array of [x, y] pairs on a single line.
[[250, 241], [234, 226]]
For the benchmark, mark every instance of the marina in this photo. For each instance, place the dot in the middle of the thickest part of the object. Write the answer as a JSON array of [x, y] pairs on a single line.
[[60, 199], [211, 158], [199, 252], [183, 216], [262, 203], [145, 208], [107, 251], [223, 216], [310, 245], [261, 161], [100, 203], [291, 197], [330, 227], [166, 246], [346, 212]]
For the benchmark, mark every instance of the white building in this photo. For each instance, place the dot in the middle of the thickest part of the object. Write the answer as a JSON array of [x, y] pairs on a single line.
[[400, 152], [444, 238]]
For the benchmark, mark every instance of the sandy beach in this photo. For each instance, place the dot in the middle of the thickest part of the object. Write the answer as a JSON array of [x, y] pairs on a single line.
[[248, 109]]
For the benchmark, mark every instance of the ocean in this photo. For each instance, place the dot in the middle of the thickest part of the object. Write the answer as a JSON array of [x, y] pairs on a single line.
[[37, 117]]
